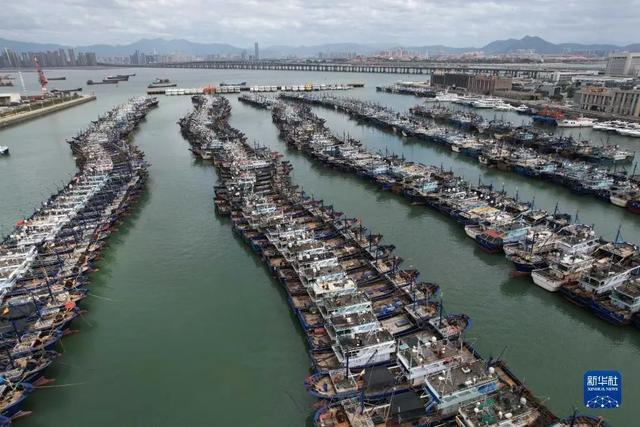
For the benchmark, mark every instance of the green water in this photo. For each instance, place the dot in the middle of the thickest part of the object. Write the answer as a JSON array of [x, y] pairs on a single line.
[[186, 327]]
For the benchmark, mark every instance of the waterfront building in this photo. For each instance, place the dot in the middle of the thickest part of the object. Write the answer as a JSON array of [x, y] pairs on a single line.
[[489, 85], [623, 64], [458, 80], [619, 102], [483, 84]]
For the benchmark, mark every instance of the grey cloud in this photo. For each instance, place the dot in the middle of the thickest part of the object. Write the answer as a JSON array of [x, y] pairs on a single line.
[[410, 22]]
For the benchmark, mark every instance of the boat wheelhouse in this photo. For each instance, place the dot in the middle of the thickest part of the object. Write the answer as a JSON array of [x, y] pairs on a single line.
[[460, 385], [421, 355], [365, 349]]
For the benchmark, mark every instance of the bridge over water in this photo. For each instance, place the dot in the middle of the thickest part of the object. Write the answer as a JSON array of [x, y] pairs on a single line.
[[512, 70]]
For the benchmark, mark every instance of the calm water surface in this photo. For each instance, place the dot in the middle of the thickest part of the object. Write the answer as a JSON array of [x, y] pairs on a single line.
[[186, 327]]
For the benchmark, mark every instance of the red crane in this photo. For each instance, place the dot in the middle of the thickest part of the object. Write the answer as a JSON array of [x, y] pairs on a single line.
[[41, 77]]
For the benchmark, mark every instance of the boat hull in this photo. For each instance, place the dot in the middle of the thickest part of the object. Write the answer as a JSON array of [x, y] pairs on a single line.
[[612, 317], [545, 283]]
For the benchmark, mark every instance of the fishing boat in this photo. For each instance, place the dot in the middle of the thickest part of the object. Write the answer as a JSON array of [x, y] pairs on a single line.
[[486, 102], [443, 97], [583, 420], [633, 205], [579, 122], [620, 127], [621, 305], [4, 150], [632, 132], [12, 396], [548, 117], [620, 196], [613, 263], [369, 323], [493, 239], [157, 83], [119, 77], [371, 383], [562, 270], [77, 89], [522, 108], [403, 408], [102, 82], [45, 261]]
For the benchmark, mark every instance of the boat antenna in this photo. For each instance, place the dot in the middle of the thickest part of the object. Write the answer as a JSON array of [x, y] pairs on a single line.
[[573, 417], [499, 358], [618, 234], [294, 402]]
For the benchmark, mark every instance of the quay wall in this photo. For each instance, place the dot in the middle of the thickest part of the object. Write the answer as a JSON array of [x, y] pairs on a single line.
[[28, 115]]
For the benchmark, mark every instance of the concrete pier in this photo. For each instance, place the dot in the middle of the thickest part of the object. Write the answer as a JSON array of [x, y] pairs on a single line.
[[23, 116]]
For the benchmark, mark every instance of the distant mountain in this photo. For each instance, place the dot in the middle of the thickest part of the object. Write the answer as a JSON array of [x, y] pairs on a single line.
[[162, 46], [541, 46], [535, 44], [28, 47], [439, 49], [313, 50]]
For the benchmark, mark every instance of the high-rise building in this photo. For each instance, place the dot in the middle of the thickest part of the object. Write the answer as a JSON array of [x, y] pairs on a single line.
[[256, 53], [138, 58], [623, 64], [72, 57], [57, 58]]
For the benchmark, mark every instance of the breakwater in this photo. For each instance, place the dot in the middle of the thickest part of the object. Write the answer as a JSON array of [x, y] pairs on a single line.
[[23, 116]]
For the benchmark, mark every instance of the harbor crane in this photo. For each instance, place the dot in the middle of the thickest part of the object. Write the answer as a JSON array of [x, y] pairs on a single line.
[[41, 77]]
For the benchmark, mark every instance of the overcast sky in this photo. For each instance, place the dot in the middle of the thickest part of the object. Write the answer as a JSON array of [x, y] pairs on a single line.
[[459, 23]]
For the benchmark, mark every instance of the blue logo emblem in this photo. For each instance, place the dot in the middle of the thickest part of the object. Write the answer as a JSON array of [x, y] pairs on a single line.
[[602, 389]]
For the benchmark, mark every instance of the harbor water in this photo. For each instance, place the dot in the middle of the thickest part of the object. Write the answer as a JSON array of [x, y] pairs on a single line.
[[184, 326]]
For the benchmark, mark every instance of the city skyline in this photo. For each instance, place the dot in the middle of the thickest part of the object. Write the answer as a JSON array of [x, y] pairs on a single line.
[[310, 22]]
